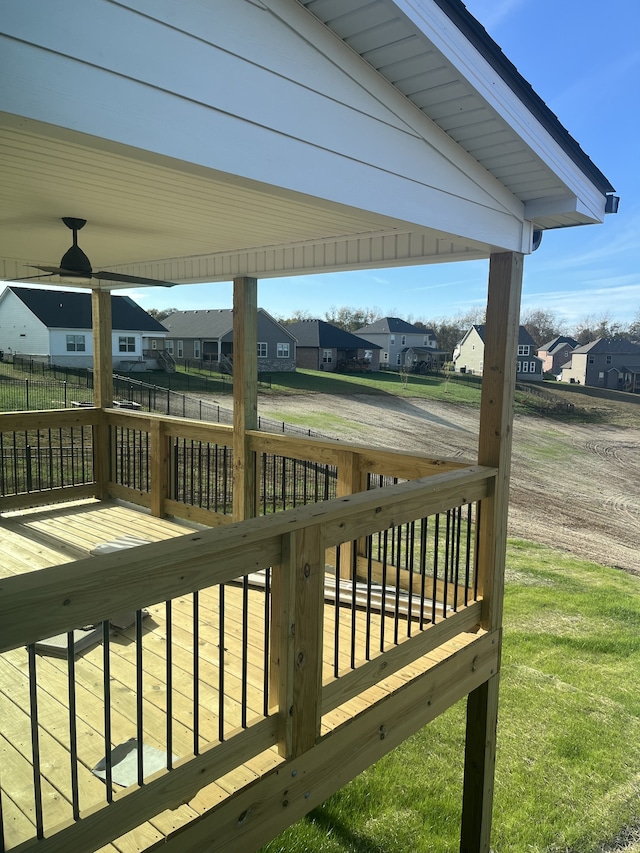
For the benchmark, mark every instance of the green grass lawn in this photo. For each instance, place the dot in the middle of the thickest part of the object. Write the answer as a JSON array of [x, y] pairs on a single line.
[[568, 766]]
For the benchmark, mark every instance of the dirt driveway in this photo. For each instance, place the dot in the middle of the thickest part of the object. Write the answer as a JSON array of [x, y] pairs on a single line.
[[573, 487]]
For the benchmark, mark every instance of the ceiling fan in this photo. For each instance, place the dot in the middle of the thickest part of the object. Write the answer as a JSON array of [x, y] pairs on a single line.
[[75, 264]]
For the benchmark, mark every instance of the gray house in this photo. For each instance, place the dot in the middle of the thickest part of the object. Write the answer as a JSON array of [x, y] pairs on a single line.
[[323, 346], [206, 336], [469, 355], [556, 353], [394, 336], [605, 363]]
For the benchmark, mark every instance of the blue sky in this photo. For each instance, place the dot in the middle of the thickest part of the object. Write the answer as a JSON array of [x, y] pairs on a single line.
[[583, 58]]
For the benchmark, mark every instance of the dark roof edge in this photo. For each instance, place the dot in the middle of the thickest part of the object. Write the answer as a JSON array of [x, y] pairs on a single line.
[[475, 33]]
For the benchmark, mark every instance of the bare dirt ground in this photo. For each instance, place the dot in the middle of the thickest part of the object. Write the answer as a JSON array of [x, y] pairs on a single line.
[[575, 487]]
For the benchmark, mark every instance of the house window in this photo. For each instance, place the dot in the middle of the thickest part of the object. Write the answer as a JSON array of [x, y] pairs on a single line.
[[154, 344], [126, 343], [196, 349], [392, 340], [525, 366], [385, 356], [403, 340], [327, 356], [592, 359], [425, 341], [523, 349], [532, 367], [180, 349], [262, 349], [608, 359], [75, 343], [168, 345], [283, 351], [398, 359]]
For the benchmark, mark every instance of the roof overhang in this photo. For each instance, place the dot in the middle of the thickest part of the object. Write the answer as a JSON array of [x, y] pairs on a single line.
[[404, 146]]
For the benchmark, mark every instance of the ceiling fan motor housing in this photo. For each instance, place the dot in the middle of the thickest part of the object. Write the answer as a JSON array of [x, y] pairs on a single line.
[[74, 261]]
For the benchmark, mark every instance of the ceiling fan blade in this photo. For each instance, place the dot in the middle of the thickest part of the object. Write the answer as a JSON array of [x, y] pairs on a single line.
[[60, 271], [30, 277], [131, 279]]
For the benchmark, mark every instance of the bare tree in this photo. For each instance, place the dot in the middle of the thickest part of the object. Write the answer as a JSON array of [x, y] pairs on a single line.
[[542, 324], [159, 314], [351, 319]]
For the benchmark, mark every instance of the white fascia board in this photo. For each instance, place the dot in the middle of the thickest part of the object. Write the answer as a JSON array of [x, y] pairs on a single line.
[[448, 39], [540, 208]]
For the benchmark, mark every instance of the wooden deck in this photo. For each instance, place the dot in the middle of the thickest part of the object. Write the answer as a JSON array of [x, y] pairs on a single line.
[[213, 694]]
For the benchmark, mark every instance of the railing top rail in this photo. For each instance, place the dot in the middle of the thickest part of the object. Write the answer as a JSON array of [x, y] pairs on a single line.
[[16, 421], [50, 601]]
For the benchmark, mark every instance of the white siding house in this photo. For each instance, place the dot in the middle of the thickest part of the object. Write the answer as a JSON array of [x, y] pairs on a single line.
[[55, 326]]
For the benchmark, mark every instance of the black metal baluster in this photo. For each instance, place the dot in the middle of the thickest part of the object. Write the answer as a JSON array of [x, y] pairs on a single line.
[[106, 693], [245, 648], [35, 741], [267, 627], [139, 697], [221, 686], [169, 666], [73, 729], [436, 552], [336, 620], [354, 580], [196, 675]]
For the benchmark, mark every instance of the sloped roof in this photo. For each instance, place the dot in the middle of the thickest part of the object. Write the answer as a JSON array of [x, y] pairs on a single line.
[[524, 338], [558, 342], [392, 325], [60, 309], [610, 346], [205, 323], [211, 323], [319, 333]]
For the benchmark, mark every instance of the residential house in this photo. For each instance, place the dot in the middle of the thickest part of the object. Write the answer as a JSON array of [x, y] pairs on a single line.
[[469, 355], [556, 353], [605, 363], [330, 146], [323, 346], [394, 336], [207, 335], [55, 326]]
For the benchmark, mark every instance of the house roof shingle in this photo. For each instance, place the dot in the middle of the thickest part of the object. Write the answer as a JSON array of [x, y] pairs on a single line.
[[203, 323], [319, 333], [61, 309], [610, 346], [391, 325], [557, 343], [524, 338]]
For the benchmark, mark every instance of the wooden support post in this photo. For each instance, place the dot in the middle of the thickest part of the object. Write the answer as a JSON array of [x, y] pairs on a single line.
[[102, 350], [350, 482], [245, 395], [296, 661], [494, 449], [102, 385], [159, 464]]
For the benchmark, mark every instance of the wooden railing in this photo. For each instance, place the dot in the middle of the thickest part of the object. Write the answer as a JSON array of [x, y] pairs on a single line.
[[306, 608], [311, 669]]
